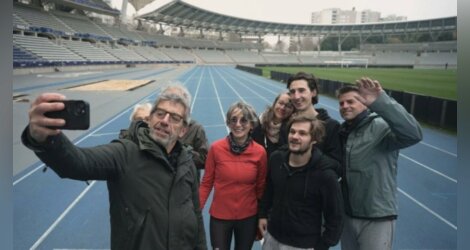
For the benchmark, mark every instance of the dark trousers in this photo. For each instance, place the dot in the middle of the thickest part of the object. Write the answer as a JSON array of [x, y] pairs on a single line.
[[244, 230]]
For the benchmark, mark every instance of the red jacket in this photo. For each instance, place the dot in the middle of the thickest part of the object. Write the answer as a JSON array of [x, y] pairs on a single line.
[[238, 180]]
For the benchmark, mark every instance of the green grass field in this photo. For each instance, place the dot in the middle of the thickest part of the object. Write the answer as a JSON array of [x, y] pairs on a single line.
[[431, 82]]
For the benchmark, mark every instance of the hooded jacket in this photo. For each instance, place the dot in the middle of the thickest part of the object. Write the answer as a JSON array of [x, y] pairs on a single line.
[[295, 201], [371, 147], [153, 205]]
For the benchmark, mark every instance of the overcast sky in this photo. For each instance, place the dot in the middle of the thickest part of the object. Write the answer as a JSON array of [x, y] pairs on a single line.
[[299, 11]]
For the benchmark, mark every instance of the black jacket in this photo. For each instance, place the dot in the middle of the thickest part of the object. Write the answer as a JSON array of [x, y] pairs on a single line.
[[152, 204], [331, 144], [295, 201], [258, 134]]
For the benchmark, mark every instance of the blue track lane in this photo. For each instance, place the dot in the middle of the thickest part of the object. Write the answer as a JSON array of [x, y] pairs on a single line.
[[73, 215]]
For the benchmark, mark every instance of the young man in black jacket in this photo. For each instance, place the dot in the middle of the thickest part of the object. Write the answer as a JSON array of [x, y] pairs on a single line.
[[151, 178], [303, 90], [302, 206]]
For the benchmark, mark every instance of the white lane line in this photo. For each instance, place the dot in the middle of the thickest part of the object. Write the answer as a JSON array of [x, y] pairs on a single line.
[[439, 149], [229, 85], [104, 134], [218, 98], [62, 216], [252, 90], [428, 168], [197, 89], [427, 209], [88, 135]]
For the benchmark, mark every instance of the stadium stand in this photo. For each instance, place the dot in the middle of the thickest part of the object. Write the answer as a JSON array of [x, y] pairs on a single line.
[[245, 56], [21, 57], [81, 25], [123, 53], [45, 49], [117, 33], [180, 55], [78, 39], [437, 60], [89, 51], [394, 58], [151, 54], [281, 58], [212, 56], [35, 17]]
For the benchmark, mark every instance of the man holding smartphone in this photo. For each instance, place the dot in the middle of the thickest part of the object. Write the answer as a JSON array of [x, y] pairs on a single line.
[[152, 180]]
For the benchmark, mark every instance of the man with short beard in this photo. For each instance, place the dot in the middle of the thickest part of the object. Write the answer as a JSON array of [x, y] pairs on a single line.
[[375, 128], [302, 206], [152, 181]]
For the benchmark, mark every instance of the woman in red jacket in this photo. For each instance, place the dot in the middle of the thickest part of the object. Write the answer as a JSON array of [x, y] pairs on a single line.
[[236, 169]]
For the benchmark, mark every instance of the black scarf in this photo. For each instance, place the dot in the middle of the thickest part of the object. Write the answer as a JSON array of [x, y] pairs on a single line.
[[234, 147]]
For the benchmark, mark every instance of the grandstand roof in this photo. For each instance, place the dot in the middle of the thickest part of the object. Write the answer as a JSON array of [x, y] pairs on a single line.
[[97, 6], [179, 13]]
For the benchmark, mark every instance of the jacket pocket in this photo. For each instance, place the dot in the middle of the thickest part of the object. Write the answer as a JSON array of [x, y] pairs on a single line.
[[135, 230]]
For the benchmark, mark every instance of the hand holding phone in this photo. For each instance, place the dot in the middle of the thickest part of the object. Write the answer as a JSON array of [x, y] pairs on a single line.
[[76, 114]]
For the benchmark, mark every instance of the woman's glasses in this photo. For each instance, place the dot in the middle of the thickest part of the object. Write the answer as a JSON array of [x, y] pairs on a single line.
[[234, 120]]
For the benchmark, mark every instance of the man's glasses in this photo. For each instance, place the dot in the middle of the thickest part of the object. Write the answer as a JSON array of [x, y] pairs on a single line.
[[243, 121], [161, 114]]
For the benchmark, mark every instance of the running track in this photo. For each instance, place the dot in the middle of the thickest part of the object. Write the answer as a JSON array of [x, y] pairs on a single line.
[[54, 213]]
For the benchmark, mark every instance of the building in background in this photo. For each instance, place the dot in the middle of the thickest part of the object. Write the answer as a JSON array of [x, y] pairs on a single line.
[[339, 16]]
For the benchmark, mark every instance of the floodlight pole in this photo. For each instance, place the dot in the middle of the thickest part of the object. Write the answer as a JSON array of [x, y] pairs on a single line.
[[123, 11]]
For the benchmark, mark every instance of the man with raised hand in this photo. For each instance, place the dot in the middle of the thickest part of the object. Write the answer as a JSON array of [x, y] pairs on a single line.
[[151, 178], [376, 127]]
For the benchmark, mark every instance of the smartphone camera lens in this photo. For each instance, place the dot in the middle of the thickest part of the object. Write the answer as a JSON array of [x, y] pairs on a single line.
[[79, 109]]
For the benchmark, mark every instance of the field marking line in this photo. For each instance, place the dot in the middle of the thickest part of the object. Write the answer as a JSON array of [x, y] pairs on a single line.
[[229, 85], [428, 209], [197, 88], [437, 148], [62, 216], [428, 168], [253, 91], [218, 98], [104, 134]]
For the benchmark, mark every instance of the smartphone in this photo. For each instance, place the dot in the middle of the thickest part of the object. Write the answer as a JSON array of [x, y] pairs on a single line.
[[76, 114]]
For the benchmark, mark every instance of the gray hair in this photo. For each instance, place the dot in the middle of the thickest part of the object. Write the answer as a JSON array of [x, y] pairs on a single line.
[[139, 106], [247, 111], [174, 98], [181, 90]]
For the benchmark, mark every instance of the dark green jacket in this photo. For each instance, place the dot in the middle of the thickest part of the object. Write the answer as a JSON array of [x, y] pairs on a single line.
[[152, 205]]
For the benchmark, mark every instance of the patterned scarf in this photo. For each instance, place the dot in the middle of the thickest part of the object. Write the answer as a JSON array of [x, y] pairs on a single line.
[[234, 147]]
